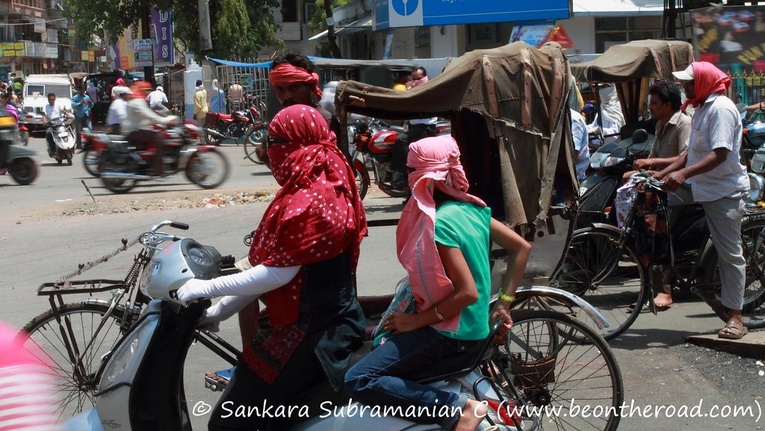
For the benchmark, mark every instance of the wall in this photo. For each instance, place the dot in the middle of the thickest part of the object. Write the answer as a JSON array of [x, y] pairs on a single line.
[[581, 30]]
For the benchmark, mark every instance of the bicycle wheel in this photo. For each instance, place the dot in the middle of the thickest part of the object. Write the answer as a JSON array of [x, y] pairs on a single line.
[[252, 142], [58, 346], [607, 275], [753, 242], [560, 377]]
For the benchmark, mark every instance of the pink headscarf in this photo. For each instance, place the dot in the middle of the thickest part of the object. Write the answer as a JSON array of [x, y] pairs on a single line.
[[436, 162], [707, 79], [418, 82]]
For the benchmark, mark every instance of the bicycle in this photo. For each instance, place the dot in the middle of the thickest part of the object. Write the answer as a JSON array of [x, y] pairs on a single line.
[[602, 265], [79, 338]]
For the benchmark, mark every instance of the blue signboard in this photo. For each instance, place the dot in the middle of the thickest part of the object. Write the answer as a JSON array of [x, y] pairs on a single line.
[[415, 13]]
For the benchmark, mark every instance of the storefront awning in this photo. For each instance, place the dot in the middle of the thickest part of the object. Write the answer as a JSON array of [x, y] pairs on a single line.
[[621, 8], [344, 30]]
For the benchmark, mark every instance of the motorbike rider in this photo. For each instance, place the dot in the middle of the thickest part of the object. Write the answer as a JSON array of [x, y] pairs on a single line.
[[304, 256], [137, 127], [443, 240], [50, 111], [10, 108], [118, 113], [418, 129]]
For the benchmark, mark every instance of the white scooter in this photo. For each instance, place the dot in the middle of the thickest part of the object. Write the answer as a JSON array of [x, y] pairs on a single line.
[[141, 379], [60, 130]]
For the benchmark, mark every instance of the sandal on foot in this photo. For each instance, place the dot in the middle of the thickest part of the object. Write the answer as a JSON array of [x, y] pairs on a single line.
[[732, 331]]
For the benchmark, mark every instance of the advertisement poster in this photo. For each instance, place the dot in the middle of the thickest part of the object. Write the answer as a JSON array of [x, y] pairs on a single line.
[[731, 37], [162, 35]]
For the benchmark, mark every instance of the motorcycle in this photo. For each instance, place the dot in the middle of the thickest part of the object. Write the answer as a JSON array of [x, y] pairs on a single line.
[[608, 164], [372, 146], [124, 165], [19, 160], [220, 127], [62, 134], [23, 129], [140, 381]]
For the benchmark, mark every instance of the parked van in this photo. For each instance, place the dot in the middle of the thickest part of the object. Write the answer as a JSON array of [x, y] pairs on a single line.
[[36, 89]]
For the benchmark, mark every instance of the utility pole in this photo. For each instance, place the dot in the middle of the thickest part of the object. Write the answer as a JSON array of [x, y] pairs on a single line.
[[148, 71]]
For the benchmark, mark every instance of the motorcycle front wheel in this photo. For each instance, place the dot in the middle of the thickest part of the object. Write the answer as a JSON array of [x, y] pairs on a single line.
[[207, 169], [252, 142], [361, 182], [24, 171]]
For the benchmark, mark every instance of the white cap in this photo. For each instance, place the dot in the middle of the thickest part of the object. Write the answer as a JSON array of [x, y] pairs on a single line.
[[159, 87], [685, 75], [119, 90]]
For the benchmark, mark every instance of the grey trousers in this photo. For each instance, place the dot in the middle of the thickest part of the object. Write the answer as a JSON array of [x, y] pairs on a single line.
[[724, 220]]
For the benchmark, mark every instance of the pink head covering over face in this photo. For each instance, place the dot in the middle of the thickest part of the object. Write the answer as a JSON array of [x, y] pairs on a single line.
[[436, 164]]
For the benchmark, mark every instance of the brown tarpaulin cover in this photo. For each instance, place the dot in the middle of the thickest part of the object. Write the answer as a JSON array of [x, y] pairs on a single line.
[[632, 66], [635, 60], [509, 114]]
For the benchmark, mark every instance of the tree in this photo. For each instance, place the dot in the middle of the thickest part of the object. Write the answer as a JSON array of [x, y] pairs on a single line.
[[318, 22], [241, 27]]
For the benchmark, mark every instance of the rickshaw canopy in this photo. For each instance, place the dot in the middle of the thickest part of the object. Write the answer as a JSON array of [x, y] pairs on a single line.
[[510, 117], [632, 66]]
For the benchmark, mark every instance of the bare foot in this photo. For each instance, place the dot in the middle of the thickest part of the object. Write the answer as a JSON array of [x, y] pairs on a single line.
[[472, 416], [663, 300]]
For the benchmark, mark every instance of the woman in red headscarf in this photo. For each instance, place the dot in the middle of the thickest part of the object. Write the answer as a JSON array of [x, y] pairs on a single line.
[[304, 257], [443, 241]]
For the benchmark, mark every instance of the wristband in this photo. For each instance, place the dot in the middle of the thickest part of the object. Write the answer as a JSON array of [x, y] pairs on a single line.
[[438, 315], [507, 298]]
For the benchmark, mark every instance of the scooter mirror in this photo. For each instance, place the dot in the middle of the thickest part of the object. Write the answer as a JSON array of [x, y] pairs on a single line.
[[639, 136]]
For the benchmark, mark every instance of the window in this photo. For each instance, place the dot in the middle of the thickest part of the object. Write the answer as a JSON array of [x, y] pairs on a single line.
[[615, 30], [289, 11]]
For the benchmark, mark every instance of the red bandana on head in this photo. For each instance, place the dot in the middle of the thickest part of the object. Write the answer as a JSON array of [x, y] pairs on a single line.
[[707, 79], [317, 214], [286, 74]]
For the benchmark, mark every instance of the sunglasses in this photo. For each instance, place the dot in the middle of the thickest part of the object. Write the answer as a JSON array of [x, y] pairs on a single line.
[[273, 140]]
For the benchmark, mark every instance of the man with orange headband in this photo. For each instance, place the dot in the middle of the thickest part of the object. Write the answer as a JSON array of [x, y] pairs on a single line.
[[719, 182], [295, 81]]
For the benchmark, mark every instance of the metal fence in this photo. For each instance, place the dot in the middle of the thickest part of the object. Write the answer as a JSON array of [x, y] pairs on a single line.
[[751, 87], [254, 82]]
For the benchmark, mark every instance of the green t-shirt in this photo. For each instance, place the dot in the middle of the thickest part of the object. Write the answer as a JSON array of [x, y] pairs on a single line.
[[465, 226]]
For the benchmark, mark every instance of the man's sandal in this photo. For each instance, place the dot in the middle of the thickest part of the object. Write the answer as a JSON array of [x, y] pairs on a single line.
[[732, 331]]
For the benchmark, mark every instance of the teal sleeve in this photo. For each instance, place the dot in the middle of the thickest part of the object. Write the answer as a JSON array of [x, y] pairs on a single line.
[[445, 232]]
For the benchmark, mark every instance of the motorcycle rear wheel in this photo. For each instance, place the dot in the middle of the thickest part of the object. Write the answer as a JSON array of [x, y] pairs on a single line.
[[115, 185], [91, 159], [212, 139], [207, 169], [24, 171], [361, 183]]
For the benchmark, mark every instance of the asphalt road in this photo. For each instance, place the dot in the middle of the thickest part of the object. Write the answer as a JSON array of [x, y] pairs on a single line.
[[47, 228]]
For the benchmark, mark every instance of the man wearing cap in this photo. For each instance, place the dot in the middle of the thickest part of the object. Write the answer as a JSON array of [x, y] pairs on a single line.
[[719, 182], [118, 110], [138, 125]]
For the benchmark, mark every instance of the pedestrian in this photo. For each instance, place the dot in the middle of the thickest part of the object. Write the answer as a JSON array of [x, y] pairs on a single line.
[[718, 179], [581, 144], [608, 122], [303, 261], [92, 92], [443, 240], [200, 103], [217, 98], [81, 104], [158, 100], [119, 82]]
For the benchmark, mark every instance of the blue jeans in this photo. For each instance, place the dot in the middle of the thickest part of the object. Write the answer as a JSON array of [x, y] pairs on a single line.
[[380, 378], [79, 124]]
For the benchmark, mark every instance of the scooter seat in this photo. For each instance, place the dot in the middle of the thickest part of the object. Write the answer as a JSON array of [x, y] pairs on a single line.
[[462, 364]]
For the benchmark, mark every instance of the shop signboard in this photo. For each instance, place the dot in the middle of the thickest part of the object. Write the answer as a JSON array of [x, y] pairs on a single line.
[[731, 37], [416, 13], [142, 48], [162, 34]]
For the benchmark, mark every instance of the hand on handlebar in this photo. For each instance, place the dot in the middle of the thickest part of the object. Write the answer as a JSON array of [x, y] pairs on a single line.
[[673, 180], [193, 289]]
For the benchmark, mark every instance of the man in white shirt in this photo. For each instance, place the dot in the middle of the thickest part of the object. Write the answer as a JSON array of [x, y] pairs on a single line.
[[50, 111], [138, 125], [581, 142], [118, 110], [157, 99]]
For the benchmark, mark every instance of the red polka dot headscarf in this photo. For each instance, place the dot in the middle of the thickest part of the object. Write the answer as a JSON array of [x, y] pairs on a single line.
[[317, 214]]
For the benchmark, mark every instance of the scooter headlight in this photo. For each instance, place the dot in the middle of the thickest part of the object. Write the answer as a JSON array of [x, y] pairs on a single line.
[[758, 162], [611, 161], [125, 360]]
